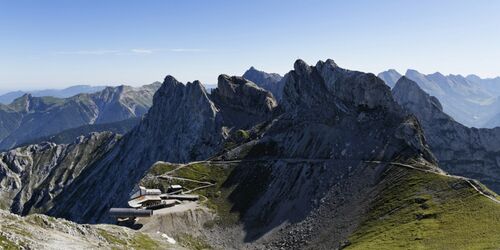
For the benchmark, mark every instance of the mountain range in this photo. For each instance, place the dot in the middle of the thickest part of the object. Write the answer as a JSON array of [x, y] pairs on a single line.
[[470, 100], [331, 159], [9, 97], [29, 117]]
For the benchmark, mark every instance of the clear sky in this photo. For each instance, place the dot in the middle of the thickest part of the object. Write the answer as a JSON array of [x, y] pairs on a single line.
[[59, 43]]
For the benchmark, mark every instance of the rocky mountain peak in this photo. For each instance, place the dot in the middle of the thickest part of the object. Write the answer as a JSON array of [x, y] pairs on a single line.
[[241, 101], [326, 82], [174, 96], [301, 67], [330, 62]]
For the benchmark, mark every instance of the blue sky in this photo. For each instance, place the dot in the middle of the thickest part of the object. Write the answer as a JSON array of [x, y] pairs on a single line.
[[65, 42]]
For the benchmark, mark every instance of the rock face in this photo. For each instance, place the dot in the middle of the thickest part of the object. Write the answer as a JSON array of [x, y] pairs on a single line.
[[242, 103], [30, 177], [334, 113], [31, 117], [470, 152], [268, 81], [311, 87]]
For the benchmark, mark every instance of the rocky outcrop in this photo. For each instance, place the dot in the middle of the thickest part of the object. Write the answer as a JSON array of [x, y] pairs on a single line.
[[308, 87], [268, 81], [241, 103], [470, 152], [31, 117]]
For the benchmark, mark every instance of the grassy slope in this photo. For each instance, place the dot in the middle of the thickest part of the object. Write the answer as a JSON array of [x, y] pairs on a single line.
[[418, 210]]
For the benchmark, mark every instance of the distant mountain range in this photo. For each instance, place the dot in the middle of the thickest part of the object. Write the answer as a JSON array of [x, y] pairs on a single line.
[[470, 100], [9, 97], [28, 117]]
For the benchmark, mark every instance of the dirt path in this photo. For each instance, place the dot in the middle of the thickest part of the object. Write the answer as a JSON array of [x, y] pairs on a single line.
[[298, 160], [469, 181]]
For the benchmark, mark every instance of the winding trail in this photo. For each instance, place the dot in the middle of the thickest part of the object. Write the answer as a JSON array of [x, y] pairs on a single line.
[[438, 171], [469, 181]]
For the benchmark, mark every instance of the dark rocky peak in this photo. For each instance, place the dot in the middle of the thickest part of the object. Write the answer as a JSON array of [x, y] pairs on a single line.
[[241, 102], [176, 101], [328, 84]]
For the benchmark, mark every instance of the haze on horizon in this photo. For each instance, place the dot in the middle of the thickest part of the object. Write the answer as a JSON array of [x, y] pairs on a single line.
[[61, 43]]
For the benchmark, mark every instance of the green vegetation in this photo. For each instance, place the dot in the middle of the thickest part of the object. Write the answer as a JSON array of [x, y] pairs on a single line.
[[139, 241], [161, 168], [242, 135], [13, 228], [236, 139], [192, 242], [7, 244], [112, 239], [418, 210], [142, 241]]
